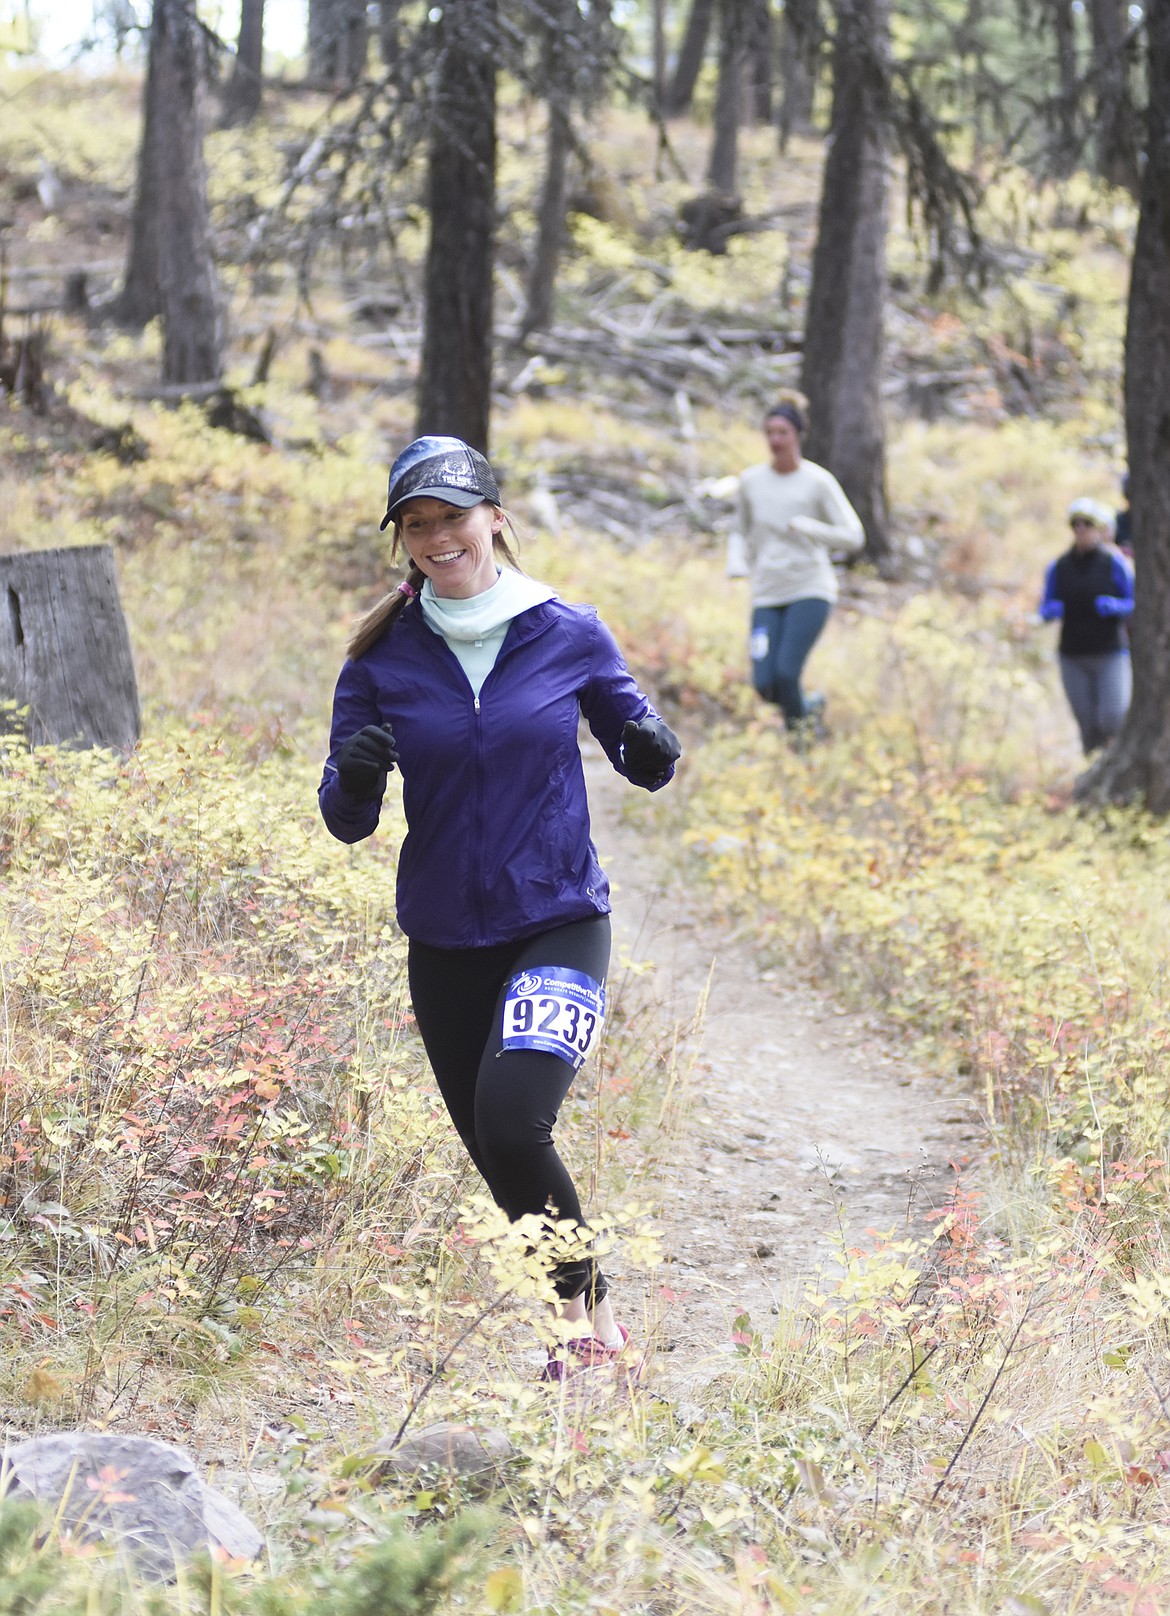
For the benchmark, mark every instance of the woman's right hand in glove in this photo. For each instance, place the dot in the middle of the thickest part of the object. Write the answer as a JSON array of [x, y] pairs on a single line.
[[365, 760], [649, 750]]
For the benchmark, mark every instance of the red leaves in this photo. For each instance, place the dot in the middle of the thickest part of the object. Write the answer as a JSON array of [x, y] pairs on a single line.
[[180, 1022], [106, 1485]]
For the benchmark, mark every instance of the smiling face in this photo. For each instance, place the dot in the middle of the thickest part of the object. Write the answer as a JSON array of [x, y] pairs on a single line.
[[452, 545], [783, 443]]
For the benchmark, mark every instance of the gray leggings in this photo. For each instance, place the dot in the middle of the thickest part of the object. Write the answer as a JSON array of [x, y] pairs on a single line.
[[1098, 690]]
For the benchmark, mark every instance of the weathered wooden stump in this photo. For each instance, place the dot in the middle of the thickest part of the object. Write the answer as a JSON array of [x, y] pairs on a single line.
[[22, 369], [64, 650]]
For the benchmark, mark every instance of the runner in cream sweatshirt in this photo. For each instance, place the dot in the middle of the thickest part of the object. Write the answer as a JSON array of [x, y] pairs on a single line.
[[792, 515]]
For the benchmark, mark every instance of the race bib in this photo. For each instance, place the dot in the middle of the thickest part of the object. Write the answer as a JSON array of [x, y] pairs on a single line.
[[555, 1010]]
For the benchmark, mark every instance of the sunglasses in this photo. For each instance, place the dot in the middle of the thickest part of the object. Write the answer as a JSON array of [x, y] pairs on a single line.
[[1081, 521]]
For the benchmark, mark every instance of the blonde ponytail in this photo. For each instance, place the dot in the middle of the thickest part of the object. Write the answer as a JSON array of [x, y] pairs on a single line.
[[382, 617]]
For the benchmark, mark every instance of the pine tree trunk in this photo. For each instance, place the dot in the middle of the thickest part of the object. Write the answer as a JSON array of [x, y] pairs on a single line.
[[1064, 114], [389, 31], [843, 344], [456, 371], [319, 44], [64, 650], [972, 59], [188, 288], [658, 52], [681, 90], [1117, 143], [800, 46], [550, 222], [139, 302], [761, 50], [1137, 766], [722, 169], [339, 38], [241, 100]]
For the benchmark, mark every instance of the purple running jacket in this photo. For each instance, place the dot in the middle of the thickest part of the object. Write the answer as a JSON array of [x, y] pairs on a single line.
[[497, 843]]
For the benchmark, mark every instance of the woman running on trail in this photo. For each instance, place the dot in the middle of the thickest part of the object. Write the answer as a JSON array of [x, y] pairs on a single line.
[[1090, 590], [791, 516], [472, 678]]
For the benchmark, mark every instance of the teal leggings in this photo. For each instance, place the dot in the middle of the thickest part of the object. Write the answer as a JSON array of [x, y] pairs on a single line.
[[782, 637]]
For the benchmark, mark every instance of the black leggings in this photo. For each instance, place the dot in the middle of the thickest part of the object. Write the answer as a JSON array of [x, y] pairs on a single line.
[[504, 1102]]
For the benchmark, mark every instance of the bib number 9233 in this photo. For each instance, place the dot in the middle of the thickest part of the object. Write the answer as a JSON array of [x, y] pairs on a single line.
[[558, 1011]]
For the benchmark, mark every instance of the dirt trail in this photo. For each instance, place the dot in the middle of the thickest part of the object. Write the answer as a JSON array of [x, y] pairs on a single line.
[[803, 1118]]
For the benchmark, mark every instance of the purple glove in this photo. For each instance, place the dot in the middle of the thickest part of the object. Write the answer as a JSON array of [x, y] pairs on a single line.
[[1050, 610], [1112, 606]]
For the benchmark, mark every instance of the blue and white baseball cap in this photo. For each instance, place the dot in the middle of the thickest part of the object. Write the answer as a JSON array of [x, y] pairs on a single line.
[[440, 468]]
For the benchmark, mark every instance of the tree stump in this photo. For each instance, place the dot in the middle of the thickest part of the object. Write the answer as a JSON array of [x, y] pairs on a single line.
[[64, 650], [22, 369], [706, 222]]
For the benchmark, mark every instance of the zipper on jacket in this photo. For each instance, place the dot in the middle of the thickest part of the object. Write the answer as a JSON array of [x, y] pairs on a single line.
[[478, 837], [479, 844], [478, 828]]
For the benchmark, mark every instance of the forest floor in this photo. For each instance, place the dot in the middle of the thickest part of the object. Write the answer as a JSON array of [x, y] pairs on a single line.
[[806, 1129]]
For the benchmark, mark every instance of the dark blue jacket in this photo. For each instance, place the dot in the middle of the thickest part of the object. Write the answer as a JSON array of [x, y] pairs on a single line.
[[1091, 592], [497, 843]]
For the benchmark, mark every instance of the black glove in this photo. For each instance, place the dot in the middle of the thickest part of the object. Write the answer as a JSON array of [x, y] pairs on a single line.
[[649, 747], [365, 760]]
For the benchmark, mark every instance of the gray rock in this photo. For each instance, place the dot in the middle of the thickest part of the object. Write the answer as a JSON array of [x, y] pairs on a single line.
[[144, 1498], [446, 1449], [228, 1528]]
